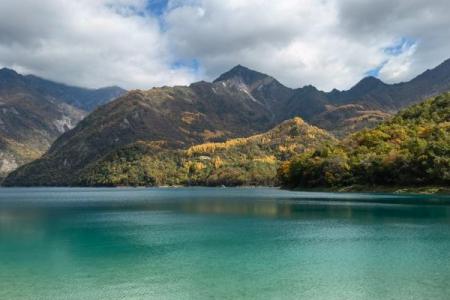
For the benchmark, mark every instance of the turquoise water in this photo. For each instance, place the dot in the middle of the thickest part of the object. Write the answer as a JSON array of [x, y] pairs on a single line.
[[222, 244]]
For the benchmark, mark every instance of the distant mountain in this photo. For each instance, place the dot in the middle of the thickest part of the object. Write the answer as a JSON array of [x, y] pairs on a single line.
[[373, 93], [82, 98], [34, 112], [244, 75], [263, 89], [366, 104], [241, 102]]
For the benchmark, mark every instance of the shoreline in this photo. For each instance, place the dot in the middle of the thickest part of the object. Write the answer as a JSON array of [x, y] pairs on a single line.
[[421, 190]]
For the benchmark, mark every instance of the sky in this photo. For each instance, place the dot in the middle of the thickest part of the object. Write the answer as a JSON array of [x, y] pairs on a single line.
[[146, 43]]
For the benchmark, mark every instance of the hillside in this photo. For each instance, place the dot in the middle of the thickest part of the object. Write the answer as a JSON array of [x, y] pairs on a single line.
[[412, 149], [34, 112], [242, 161], [241, 102], [180, 116]]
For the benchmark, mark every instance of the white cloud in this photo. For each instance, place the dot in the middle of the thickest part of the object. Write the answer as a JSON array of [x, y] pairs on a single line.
[[398, 67], [327, 43], [87, 42]]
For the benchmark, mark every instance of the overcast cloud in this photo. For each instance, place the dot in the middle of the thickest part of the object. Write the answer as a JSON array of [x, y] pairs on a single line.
[[327, 43]]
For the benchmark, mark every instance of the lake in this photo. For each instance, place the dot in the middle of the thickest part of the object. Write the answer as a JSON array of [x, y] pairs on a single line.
[[221, 243]]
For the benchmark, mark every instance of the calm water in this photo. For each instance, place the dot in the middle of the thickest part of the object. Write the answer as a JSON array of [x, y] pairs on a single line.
[[222, 244]]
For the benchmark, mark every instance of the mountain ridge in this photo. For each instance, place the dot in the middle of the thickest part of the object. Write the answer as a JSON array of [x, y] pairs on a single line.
[[243, 102], [35, 111]]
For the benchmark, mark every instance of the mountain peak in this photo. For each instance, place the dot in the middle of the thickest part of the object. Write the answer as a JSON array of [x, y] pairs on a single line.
[[8, 72], [244, 74], [371, 80], [10, 79], [310, 88], [368, 83]]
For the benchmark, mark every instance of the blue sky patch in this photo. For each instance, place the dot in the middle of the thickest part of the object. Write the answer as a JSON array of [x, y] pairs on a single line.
[[399, 47], [157, 7], [375, 72], [192, 64]]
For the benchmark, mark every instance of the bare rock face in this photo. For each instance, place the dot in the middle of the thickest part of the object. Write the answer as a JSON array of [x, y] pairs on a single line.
[[34, 112], [7, 164]]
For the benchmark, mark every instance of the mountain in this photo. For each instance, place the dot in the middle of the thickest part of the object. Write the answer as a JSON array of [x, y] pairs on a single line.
[[375, 94], [412, 149], [34, 112], [179, 116], [244, 75], [243, 161], [241, 102], [82, 98], [262, 88], [366, 104]]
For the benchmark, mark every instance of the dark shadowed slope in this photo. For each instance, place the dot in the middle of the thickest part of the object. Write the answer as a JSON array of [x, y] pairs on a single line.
[[82, 98]]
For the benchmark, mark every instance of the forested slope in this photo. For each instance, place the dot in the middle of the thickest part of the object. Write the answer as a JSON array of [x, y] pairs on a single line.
[[413, 148]]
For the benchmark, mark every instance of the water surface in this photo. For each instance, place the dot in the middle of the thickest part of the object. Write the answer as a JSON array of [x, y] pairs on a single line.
[[205, 243]]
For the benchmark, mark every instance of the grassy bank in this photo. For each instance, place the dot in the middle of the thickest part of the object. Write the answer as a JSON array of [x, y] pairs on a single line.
[[442, 190]]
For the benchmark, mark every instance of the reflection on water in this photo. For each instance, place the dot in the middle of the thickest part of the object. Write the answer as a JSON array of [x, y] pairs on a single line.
[[221, 243], [37, 210], [42, 216]]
